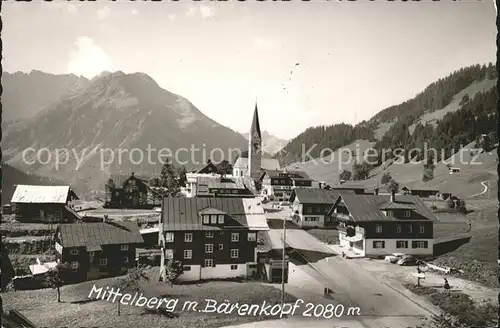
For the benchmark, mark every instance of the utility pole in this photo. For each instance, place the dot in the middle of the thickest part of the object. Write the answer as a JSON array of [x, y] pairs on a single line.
[[283, 265]]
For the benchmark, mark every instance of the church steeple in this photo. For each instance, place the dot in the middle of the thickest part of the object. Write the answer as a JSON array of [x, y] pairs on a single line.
[[254, 147], [255, 122]]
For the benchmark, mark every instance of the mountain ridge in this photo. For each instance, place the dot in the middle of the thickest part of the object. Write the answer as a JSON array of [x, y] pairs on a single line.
[[111, 112]]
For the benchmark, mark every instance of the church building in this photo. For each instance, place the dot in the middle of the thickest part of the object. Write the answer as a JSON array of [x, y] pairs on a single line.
[[253, 165]]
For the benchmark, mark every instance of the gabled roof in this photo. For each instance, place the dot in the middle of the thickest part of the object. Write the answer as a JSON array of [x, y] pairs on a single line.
[[265, 164], [207, 168], [316, 195], [420, 187], [40, 194], [99, 233], [211, 210], [14, 319], [183, 214], [369, 207], [120, 179], [294, 175], [217, 182]]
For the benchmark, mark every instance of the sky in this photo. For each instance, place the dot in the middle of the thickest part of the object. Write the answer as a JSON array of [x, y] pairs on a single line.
[[305, 63]]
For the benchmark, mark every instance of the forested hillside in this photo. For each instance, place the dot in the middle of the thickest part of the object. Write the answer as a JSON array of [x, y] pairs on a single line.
[[476, 115], [326, 138]]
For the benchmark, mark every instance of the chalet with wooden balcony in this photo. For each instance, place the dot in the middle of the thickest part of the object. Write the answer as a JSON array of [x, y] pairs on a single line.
[[127, 191], [310, 206], [379, 225], [279, 184], [213, 238], [100, 249]]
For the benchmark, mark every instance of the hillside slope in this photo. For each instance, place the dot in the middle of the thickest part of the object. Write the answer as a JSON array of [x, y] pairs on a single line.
[[116, 112], [419, 124]]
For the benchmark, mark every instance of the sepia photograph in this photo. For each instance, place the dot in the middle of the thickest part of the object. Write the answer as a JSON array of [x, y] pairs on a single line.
[[249, 164]]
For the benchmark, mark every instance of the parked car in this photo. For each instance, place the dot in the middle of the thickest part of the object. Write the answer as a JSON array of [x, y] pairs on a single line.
[[409, 260], [394, 257]]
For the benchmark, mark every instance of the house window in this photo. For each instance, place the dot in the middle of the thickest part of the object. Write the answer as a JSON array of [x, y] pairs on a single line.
[[208, 263], [188, 254], [124, 247], [234, 267], [221, 247], [378, 244], [169, 237], [186, 268], [419, 244], [235, 253], [209, 248], [308, 210], [91, 254], [206, 219], [252, 236], [169, 253], [398, 229], [213, 219], [209, 234], [74, 265], [401, 243], [378, 228], [74, 251], [103, 262], [422, 229], [235, 237], [125, 259], [221, 219], [188, 237], [410, 228]]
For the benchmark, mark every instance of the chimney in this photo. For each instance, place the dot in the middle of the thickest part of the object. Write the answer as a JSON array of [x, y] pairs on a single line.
[[393, 196], [376, 191], [132, 173]]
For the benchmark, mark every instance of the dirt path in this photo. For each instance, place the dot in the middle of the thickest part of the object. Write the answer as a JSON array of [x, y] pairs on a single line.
[[484, 184]]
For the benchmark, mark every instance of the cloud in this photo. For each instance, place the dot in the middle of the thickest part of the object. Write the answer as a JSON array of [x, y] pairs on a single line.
[[134, 12], [172, 16], [88, 59], [202, 11], [103, 13]]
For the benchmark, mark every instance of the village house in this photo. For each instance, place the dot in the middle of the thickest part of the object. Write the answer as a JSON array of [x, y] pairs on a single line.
[[214, 185], [207, 168], [278, 185], [214, 238], [310, 206], [124, 191], [356, 189], [421, 192], [36, 203], [379, 225], [254, 164], [96, 250]]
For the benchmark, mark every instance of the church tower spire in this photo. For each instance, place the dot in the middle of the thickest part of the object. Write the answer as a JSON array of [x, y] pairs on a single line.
[[254, 146]]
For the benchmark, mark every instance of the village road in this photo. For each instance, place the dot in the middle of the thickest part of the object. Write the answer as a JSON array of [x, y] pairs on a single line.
[[381, 305]]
